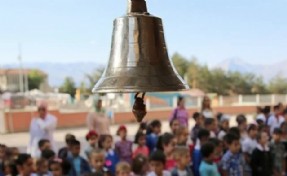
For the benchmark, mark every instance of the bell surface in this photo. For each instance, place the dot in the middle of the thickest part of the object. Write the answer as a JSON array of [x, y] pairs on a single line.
[[139, 59]]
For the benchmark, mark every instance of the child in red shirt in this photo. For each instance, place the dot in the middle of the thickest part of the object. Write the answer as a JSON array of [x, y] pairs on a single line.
[[167, 143]]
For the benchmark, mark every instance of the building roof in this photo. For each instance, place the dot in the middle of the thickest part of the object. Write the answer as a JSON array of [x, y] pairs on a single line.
[[194, 92], [14, 71]]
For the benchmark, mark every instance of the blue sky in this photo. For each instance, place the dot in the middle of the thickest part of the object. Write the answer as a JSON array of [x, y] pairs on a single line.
[[80, 30]]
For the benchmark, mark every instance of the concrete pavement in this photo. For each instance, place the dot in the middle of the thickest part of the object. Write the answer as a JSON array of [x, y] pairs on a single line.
[[21, 140]]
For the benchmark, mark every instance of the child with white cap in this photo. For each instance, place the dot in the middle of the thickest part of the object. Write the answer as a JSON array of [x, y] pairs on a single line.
[[223, 120]]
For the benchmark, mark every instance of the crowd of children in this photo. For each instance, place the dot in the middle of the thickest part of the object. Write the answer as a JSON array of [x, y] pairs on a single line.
[[209, 148]]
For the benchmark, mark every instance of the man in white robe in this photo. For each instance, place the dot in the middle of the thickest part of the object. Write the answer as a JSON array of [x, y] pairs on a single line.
[[41, 127]]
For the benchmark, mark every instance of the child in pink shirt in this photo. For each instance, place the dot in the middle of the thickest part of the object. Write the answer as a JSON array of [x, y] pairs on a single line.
[[142, 149]]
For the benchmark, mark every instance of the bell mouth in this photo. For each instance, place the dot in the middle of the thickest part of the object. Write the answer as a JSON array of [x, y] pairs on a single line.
[[139, 83]]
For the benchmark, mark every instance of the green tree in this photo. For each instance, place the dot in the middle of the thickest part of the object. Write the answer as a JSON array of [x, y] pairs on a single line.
[[199, 76], [238, 83], [259, 87], [217, 82], [68, 86], [83, 88], [224, 83], [35, 79], [193, 74], [181, 64], [278, 85]]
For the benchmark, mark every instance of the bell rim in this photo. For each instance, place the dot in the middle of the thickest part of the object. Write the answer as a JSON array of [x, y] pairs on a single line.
[[183, 87]]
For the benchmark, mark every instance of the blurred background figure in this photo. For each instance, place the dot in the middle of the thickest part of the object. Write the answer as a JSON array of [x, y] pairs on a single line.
[[98, 120], [41, 127], [180, 113], [206, 109]]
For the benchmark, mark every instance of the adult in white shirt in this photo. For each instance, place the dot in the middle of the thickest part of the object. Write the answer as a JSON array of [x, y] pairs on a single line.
[[41, 127], [275, 120]]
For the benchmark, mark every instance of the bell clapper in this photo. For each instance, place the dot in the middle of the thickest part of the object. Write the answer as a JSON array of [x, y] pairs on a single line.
[[139, 107]]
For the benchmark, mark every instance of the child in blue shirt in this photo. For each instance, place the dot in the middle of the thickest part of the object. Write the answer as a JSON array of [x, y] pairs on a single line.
[[153, 132], [207, 166], [111, 158], [79, 165], [203, 137], [232, 161]]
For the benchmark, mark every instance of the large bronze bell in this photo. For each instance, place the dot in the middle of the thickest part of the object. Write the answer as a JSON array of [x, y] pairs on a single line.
[[139, 59]]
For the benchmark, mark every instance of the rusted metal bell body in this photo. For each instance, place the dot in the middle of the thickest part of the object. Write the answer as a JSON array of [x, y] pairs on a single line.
[[139, 59]]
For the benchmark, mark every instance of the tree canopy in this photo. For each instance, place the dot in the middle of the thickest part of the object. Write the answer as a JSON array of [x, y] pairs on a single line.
[[35, 79], [218, 81], [278, 85], [68, 86]]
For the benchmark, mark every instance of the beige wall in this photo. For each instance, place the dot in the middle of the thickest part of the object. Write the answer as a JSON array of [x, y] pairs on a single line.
[[3, 82], [18, 121]]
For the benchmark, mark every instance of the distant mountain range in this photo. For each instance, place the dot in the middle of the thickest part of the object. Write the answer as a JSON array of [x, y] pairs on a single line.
[[58, 71], [266, 71]]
